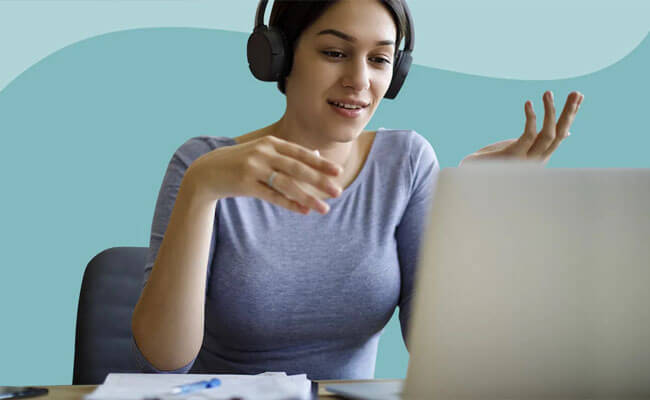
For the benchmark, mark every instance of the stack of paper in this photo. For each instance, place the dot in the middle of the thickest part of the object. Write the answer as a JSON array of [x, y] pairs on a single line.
[[266, 386]]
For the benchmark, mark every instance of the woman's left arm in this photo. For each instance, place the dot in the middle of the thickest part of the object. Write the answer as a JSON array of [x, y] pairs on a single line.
[[424, 169], [531, 145]]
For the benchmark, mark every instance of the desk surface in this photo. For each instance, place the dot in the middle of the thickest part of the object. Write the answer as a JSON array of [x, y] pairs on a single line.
[[75, 392]]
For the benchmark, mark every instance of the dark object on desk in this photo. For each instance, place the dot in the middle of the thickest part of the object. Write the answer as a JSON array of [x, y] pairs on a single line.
[[109, 291], [15, 392]]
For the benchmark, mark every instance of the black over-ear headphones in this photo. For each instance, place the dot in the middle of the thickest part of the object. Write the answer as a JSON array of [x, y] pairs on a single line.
[[267, 52]]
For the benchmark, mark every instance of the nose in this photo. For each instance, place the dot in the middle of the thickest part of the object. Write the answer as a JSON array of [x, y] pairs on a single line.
[[356, 75]]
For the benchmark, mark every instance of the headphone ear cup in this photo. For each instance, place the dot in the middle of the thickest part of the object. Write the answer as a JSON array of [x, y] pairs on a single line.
[[401, 69], [266, 53]]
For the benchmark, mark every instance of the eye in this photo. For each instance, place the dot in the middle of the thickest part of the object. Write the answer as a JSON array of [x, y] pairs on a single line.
[[381, 60], [334, 54], [339, 55]]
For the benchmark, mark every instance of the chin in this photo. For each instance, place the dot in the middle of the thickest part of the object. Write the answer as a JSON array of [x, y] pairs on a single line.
[[344, 133]]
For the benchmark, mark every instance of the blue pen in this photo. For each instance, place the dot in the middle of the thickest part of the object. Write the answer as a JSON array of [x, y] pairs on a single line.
[[193, 387]]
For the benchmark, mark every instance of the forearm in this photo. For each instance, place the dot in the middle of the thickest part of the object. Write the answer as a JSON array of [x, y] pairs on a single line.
[[168, 319]]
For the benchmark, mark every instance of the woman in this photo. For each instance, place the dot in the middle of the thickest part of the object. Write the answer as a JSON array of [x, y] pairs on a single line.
[[287, 290]]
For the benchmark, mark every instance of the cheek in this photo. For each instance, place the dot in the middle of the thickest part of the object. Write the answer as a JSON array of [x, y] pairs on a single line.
[[386, 77], [380, 85], [312, 80]]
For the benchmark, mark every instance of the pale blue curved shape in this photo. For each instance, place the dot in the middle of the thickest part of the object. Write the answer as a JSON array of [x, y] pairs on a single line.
[[499, 38], [551, 39]]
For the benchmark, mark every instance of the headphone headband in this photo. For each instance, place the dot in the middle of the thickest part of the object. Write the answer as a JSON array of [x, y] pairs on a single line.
[[409, 37], [259, 14]]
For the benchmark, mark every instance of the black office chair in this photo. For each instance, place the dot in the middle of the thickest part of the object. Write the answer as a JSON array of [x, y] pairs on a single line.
[[109, 291]]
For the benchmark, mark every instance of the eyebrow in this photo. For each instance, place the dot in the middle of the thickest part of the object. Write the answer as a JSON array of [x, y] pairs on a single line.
[[349, 38]]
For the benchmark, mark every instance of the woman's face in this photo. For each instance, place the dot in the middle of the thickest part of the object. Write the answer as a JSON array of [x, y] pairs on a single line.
[[345, 56]]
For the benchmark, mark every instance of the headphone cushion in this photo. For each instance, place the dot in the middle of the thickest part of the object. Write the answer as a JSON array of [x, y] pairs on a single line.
[[266, 54], [402, 65]]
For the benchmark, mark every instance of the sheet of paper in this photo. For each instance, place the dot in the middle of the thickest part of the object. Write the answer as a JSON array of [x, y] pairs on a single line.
[[267, 386]]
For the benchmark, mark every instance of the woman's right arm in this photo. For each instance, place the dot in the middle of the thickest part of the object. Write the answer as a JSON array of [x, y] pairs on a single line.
[[167, 322], [168, 319]]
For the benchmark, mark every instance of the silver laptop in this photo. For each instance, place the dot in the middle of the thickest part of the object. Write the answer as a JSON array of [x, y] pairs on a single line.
[[533, 283]]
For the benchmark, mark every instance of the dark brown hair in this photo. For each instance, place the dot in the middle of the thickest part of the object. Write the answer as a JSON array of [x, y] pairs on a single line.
[[292, 17]]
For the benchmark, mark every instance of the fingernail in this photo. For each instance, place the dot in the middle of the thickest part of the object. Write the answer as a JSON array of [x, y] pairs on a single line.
[[324, 208], [333, 190], [317, 153], [569, 133], [550, 94]]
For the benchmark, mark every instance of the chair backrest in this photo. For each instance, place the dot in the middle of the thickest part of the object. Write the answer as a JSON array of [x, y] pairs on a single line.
[[109, 291]]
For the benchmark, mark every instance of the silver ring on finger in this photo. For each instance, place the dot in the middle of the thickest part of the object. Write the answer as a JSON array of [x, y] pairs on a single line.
[[270, 180]]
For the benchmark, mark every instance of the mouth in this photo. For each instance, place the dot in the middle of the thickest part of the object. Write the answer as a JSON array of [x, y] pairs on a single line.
[[347, 108]]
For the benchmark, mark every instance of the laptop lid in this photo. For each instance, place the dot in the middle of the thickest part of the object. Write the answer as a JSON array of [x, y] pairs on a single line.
[[533, 283]]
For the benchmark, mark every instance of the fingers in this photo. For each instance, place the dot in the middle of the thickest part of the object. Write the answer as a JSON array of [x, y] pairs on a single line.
[[564, 123], [288, 188], [301, 175], [308, 157], [277, 198], [548, 132], [526, 140], [568, 114], [301, 172], [531, 144]]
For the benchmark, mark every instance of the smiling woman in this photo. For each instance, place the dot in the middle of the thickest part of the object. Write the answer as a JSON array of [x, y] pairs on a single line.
[[240, 277]]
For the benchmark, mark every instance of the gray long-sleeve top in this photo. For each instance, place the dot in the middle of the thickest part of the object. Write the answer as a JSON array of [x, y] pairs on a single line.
[[308, 293]]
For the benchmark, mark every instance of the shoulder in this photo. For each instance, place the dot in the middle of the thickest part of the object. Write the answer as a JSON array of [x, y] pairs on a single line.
[[197, 146], [409, 146]]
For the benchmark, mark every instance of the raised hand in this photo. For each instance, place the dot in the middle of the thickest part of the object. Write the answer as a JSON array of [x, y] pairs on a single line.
[[297, 174], [532, 145]]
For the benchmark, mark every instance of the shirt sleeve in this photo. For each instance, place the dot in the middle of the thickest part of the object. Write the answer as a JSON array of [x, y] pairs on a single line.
[[178, 165], [145, 366], [424, 169]]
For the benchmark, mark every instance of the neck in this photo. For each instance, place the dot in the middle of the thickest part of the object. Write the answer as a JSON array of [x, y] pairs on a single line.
[[343, 154]]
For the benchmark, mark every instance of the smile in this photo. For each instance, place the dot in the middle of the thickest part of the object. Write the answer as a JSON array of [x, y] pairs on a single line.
[[347, 110]]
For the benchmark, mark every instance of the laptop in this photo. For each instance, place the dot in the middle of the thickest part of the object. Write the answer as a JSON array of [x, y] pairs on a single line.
[[532, 283]]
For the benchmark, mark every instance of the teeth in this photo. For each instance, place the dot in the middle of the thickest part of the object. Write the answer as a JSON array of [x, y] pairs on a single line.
[[348, 106]]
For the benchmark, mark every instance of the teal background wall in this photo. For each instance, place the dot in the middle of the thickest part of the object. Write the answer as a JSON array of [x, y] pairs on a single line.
[[87, 132]]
